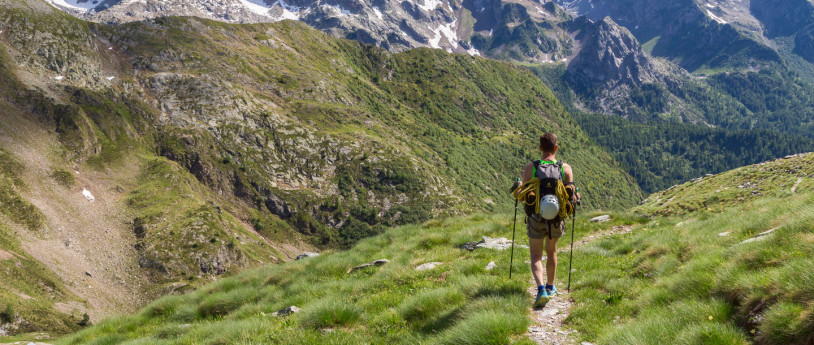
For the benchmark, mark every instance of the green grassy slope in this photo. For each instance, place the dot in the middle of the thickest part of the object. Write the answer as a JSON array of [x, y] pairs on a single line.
[[463, 120], [680, 277], [688, 277], [295, 123], [458, 302]]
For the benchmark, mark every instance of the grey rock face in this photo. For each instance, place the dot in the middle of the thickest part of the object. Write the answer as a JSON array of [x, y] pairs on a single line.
[[610, 54], [395, 25]]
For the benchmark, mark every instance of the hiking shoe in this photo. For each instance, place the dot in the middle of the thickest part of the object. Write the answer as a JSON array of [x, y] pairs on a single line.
[[551, 292], [541, 300]]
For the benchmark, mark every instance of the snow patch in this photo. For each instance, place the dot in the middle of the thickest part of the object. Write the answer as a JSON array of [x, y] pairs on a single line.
[[447, 31], [256, 6], [716, 18], [110, 78], [710, 5], [59, 77], [474, 52], [86, 193], [378, 13], [430, 5], [76, 5], [289, 11]]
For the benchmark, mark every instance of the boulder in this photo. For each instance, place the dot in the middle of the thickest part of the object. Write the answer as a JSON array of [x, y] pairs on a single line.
[[760, 237], [491, 266], [470, 246], [428, 266], [601, 219], [287, 311], [498, 243], [306, 255], [490, 243], [369, 264]]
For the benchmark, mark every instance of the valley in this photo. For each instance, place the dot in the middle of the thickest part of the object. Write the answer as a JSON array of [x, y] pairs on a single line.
[[169, 169]]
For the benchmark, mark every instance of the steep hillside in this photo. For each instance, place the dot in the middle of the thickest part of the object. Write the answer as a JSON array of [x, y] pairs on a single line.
[[716, 263], [724, 261], [154, 157]]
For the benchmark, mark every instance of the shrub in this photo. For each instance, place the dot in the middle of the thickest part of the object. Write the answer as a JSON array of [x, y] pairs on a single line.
[[64, 177], [7, 314]]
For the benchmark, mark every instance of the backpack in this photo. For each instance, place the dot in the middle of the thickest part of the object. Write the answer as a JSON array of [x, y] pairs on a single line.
[[551, 176], [549, 173]]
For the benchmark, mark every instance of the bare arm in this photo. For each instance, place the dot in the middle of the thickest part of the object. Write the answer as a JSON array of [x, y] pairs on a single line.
[[569, 174], [528, 171]]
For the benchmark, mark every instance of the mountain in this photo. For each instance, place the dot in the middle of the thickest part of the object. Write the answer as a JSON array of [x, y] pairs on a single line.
[[719, 260], [149, 158], [731, 64]]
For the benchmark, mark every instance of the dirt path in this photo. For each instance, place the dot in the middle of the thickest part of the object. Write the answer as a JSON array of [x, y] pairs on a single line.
[[548, 322]]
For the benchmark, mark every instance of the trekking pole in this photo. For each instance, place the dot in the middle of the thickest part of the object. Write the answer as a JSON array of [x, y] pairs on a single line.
[[514, 227], [571, 251]]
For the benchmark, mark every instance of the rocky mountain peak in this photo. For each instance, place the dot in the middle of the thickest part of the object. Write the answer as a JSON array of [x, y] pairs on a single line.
[[610, 54]]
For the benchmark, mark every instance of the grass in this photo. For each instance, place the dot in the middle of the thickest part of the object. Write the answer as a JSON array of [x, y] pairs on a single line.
[[64, 177], [673, 279], [183, 233], [458, 302], [391, 303], [12, 204], [677, 281]]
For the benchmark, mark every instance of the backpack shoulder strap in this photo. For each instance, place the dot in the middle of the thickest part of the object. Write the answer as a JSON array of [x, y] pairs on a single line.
[[536, 166], [562, 172]]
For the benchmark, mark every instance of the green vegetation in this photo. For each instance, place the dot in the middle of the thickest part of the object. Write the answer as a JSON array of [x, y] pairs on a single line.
[[690, 278], [64, 177], [12, 204], [662, 154], [183, 233], [442, 134], [683, 276], [457, 302]]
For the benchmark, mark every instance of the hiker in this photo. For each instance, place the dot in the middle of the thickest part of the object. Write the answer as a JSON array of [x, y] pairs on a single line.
[[547, 205]]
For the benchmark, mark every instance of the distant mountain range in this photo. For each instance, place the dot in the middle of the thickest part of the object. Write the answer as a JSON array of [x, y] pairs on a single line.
[[722, 63]]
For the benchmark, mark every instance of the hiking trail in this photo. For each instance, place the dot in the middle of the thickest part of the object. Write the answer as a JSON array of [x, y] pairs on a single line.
[[548, 321]]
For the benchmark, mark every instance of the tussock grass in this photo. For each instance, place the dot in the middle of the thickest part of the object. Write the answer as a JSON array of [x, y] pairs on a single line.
[[688, 279], [456, 302], [332, 312], [485, 327]]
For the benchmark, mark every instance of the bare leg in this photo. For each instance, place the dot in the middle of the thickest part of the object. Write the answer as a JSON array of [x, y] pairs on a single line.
[[551, 261], [536, 248]]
